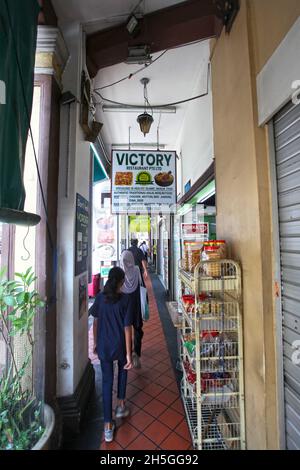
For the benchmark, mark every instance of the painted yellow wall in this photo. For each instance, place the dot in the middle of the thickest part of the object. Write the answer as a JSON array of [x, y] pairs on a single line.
[[244, 197], [272, 19]]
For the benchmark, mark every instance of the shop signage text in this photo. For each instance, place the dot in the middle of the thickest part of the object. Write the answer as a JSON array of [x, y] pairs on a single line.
[[143, 182], [195, 229]]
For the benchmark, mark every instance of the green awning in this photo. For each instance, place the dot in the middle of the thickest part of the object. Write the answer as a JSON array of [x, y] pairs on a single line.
[[18, 31], [99, 173], [99, 170]]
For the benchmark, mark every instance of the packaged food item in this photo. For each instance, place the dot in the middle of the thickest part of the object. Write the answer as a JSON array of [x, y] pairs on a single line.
[[194, 255], [215, 307], [211, 253], [191, 255], [188, 301], [190, 346]]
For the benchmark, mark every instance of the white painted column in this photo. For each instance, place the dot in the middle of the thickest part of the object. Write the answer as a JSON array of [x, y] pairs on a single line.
[[72, 332]]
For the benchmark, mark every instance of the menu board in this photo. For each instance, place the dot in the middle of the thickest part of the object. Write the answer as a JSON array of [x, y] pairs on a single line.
[[143, 181], [81, 234]]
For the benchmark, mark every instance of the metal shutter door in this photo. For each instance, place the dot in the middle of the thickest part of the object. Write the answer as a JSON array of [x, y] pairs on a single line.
[[287, 145]]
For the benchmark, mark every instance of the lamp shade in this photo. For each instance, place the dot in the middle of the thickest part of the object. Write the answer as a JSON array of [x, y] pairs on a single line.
[[145, 120]]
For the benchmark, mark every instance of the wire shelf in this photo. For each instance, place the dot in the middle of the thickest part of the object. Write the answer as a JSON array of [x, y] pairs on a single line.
[[212, 355], [216, 433]]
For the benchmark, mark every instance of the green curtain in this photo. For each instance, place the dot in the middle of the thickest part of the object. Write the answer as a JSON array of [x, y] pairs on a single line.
[[18, 31]]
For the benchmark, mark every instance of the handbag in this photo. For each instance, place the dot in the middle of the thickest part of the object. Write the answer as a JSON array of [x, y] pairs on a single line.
[[144, 303]]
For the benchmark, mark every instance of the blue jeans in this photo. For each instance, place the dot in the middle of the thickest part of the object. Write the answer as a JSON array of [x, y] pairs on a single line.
[[107, 386]]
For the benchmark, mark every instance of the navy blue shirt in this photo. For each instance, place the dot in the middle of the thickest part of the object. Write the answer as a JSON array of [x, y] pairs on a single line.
[[112, 319]]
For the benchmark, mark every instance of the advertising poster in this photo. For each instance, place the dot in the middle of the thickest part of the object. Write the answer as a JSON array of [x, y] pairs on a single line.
[[143, 181], [105, 236], [81, 234]]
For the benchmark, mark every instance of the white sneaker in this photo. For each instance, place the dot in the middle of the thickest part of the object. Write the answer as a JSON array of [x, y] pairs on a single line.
[[109, 433], [122, 412]]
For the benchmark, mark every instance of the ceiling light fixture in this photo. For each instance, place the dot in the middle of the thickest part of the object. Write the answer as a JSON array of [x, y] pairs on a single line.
[[111, 108], [145, 120]]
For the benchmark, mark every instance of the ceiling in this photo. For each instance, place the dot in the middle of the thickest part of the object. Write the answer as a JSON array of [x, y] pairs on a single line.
[[96, 15], [179, 74]]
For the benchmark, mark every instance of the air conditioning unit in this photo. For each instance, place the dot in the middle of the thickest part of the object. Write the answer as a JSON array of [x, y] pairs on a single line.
[[139, 55]]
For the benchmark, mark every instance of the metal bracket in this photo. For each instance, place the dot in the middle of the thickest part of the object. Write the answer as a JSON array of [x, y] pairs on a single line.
[[227, 11]]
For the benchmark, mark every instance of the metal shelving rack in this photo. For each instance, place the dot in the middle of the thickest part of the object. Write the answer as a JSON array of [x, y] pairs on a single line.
[[212, 385]]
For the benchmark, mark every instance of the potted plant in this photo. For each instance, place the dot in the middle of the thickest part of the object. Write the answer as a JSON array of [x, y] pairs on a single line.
[[22, 416]]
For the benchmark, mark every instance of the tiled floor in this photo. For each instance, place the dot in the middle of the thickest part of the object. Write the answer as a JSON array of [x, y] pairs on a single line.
[[157, 418]]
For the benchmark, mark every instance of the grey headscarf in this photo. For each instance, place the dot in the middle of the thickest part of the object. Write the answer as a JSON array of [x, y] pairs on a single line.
[[132, 273]]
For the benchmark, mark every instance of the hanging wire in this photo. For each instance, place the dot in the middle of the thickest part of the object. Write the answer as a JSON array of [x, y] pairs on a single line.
[[146, 101], [28, 253], [159, 105], [128, 77]]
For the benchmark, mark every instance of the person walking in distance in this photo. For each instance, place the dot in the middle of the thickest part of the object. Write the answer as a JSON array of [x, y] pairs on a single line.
[[144, 248], [113, 316], [139, 259], [131, 287], [154, 249]]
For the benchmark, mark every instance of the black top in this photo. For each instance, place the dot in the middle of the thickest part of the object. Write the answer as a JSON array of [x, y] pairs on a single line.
[[112, 319], [138, 257], [135, 299]]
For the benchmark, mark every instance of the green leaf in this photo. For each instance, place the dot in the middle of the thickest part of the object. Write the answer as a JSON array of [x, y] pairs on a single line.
[[9, 300], [20, 297], [29, 270]]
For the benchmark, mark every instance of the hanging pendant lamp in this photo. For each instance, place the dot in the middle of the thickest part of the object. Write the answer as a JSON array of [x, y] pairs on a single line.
[[145, 120]]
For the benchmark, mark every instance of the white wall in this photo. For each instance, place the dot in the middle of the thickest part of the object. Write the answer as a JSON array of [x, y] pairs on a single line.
[[72, 332], [195, 143], [275, 81]]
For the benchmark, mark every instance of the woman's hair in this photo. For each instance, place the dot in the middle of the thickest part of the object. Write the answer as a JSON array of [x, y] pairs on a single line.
[[115, 277]]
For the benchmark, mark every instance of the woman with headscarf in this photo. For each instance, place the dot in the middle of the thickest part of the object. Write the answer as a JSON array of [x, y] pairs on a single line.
[[131, 286]]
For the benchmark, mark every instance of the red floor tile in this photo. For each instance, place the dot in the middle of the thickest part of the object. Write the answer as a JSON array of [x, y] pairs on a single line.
[[167, 397], [110, 446], [155, 408], [152, 374], [141, 443], [153, 389], [131, 390], [162, 367], [171, 418], [183, 430], [177, 406], [174, 442], [133, 408], [157, 432], [140, 420], [141, 399], [126, 434], [164, 381]]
